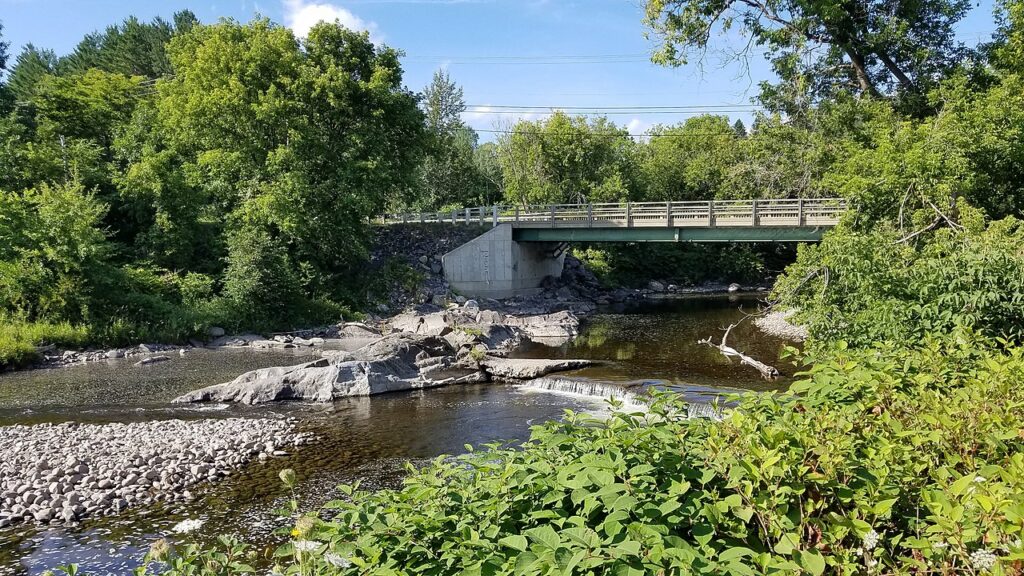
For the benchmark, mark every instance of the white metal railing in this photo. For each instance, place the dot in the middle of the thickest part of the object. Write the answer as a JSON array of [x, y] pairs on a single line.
[[705, 214]]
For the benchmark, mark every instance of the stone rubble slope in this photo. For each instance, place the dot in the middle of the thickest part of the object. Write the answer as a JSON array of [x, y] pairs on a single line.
[[60, 473]]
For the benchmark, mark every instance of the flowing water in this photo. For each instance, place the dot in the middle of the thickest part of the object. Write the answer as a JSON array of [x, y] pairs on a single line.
[[652, 345]]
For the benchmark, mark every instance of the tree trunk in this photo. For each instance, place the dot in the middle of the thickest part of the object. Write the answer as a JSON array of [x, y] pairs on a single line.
[[904, 80], [861, 71]]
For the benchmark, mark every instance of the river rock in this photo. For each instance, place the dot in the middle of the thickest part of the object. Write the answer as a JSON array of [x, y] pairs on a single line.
[[152, 360], [235, 341], [387, 365], [527, 369], [357, 330], [126, 459], [215, 332], [560, 326]]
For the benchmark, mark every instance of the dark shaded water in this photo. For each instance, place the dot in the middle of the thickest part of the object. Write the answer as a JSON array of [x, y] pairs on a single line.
[[366, 439]]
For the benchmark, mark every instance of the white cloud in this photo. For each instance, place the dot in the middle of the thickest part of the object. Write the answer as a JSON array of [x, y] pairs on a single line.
[[637, 126], [301, 16]]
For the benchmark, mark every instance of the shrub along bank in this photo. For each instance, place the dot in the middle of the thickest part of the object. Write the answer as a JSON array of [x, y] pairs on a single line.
[[876, 462]]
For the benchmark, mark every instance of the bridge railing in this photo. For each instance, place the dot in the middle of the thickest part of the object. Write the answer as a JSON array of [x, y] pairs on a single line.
[[727, 213]]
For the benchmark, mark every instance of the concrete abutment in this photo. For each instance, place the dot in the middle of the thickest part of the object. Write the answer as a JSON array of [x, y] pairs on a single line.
[[494, 265]]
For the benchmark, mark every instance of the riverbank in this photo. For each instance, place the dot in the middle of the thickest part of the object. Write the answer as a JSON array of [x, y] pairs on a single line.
[[647, 345], [62, 473]]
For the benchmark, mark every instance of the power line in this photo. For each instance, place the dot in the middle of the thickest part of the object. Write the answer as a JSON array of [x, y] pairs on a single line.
[[613, 135], [652, 108], [620, 113]]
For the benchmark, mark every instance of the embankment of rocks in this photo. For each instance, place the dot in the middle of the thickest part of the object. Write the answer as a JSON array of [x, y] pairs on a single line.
[[61, 473], [456, 346]]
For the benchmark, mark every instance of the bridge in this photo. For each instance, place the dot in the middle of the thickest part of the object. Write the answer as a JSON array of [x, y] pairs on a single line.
[[527, 243]]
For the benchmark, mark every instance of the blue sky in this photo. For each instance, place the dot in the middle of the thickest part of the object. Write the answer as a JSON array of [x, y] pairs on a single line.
[[543, 53]]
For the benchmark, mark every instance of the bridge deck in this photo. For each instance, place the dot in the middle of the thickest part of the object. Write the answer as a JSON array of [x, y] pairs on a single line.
[[779, 220]]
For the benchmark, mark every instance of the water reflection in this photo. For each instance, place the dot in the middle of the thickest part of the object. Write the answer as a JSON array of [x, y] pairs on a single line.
[[657, 340]]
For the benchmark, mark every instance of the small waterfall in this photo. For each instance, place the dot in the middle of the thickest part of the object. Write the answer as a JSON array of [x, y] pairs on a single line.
[[629, 393], [633, 394]]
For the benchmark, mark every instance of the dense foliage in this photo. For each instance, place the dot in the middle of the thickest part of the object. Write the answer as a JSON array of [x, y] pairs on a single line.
[[162, 178], [877, 461], [899, 450], [866, 287]]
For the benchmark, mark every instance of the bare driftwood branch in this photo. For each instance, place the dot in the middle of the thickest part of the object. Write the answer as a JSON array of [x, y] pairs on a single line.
[[767, 372]]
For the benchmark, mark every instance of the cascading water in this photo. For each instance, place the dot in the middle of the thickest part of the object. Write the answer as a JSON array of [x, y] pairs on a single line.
[[633, 394]]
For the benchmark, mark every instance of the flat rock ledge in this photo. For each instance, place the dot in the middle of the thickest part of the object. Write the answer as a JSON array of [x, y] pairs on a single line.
[[61, 473], [777, 324], [456, 346]]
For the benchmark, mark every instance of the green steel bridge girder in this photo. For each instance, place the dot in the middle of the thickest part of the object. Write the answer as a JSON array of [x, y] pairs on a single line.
[[723, 234]]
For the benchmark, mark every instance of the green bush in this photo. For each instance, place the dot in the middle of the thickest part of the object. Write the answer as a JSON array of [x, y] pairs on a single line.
[[867, 287], [877, 461]]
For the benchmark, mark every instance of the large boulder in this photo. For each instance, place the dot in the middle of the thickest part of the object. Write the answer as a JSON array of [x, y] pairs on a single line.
[[559, 326], [357, 330], [390, 364], [528, 368]]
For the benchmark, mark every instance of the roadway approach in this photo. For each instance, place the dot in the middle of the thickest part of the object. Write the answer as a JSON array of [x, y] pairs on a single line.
[[526, 244]]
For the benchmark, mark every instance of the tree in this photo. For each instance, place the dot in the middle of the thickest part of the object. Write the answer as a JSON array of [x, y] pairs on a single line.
[[822, 47], [51, 240], [4, 96], [3, 50], [29, 68], [443, 104], [448, 176], [133, 48], [303, 141], [691, 160], [568, 159]]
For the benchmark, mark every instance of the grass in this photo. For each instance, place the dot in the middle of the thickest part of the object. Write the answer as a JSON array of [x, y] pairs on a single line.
[[20, 338]]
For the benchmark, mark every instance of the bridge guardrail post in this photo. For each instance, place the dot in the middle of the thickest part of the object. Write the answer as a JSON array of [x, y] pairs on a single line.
[[668, 214], [629, 215], [454, 218], [552, 215], [800, 212], [711, 213], [494, 215], [517, 213], [754, 220], [590, 215]]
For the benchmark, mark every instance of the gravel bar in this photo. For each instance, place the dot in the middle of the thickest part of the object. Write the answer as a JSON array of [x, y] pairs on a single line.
[[60, 473]]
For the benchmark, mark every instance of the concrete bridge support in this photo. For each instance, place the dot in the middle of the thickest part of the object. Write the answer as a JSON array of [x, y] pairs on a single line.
[[494, 265]]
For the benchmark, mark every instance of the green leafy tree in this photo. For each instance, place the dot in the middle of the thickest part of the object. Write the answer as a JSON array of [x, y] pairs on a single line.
[[51, 241], [690, 161], [568, 159], [132, 48], [260, 122], [448, 176], [821, 47]]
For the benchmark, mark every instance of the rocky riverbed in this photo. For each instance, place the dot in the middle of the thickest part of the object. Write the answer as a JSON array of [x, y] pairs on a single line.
[[61, 473], [459, 345]]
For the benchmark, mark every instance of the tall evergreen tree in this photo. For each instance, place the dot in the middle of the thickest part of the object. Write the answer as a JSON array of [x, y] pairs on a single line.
[[29, 68]]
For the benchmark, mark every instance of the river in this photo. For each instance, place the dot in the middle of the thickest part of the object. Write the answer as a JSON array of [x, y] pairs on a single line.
[[364, 439]]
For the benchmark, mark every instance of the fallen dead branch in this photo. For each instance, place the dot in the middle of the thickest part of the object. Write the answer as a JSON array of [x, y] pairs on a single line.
[[767, 372]]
